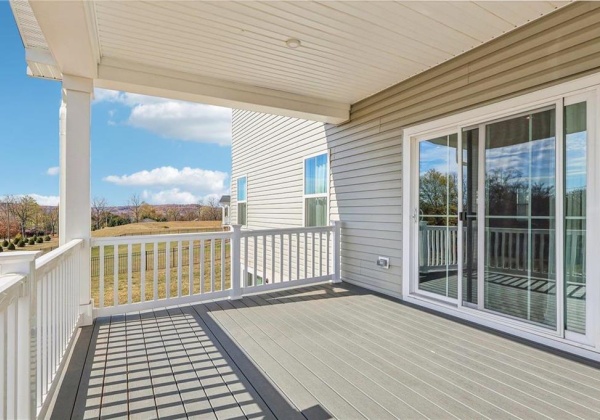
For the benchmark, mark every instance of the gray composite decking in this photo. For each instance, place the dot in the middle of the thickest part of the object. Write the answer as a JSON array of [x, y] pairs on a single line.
[[317, 352]]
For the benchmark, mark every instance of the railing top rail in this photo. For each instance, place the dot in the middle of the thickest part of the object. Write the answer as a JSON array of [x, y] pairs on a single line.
[[262, 232], [52, 256], [148, 239], [9, 284]]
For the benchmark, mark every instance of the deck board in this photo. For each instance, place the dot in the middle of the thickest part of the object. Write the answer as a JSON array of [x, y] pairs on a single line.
[[333, 351]]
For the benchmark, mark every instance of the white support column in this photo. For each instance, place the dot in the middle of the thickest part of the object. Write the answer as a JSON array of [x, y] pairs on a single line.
[[75, 178]]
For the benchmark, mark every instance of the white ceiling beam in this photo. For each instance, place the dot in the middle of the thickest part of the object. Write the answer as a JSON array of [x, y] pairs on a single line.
[[136, 78], [65, 25]]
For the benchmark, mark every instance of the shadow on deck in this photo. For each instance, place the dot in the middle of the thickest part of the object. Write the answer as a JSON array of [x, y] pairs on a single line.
[[316, 353]]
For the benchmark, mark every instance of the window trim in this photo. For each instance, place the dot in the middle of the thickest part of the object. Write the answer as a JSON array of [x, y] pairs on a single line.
[[325, 194], [238, 202]]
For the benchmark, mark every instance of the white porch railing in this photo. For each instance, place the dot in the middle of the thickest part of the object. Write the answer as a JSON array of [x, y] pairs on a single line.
[[39, 315], [145, 272]]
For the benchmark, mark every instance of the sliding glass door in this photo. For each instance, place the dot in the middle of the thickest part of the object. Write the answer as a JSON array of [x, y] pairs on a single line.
[[501, 217], [520, 220]]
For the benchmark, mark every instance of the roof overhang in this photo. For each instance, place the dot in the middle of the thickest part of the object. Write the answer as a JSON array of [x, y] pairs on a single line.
[[236, 54]]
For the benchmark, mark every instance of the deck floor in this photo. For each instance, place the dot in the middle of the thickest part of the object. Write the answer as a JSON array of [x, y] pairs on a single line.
[[317, 352]]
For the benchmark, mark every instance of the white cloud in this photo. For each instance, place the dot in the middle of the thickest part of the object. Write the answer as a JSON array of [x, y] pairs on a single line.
[[171, 196], [173, 119], [196, 178], [54, 170], [45, 200]]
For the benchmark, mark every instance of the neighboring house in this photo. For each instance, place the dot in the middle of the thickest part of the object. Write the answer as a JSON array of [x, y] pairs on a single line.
[[519, 116], [224, 202]]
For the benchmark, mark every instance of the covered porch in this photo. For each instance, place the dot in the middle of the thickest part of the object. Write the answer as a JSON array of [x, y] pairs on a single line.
[[208, 335], [332, 351]]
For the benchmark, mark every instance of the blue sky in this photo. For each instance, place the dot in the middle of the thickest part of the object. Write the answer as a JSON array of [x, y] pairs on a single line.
[[166, 151]]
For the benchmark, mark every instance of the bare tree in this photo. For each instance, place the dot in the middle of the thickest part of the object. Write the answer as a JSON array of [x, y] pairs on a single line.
[[7, 211], [173, 214], [99, 212], [211, 210], [24, 210], [51, 219], [135, 204]]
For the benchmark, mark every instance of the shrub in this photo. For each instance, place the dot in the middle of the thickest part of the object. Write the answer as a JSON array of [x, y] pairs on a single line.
[[5, 243], [31, 241], [21, 244], [40, 240], [11, 247], [47, 238], [1, 249]]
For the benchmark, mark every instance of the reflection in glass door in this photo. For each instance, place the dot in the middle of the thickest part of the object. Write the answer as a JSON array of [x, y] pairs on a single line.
[[438, 216], [575, 179], [520, 202]]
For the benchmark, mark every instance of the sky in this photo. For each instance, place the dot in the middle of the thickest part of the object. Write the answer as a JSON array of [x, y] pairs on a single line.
[[168, 152]]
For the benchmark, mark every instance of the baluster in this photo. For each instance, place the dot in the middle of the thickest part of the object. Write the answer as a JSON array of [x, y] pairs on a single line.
[[179, 267], [321, 254], [190, 267], [281, 258], [273, 258], [255, 266], [246, 241], [155, 269], [212, 265], [143, 272], [115, 275], [312, 273], [289, 237], [297, 256], [129, 271], [202, 260], [327, 237], [222, 263], [305, 255], [264, 264], [168, 269]]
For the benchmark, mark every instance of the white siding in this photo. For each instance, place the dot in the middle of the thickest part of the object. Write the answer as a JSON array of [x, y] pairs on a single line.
[[366, 152]]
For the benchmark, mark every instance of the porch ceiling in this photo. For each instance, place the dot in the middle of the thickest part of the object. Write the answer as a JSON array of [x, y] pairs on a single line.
[[235, 54]]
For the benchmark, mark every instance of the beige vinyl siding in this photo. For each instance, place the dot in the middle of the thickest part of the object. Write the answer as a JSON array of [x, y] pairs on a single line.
[[366, 152], [270, 150]]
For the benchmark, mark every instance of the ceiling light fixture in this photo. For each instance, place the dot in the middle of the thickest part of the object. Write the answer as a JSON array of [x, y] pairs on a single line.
[[293, 43]]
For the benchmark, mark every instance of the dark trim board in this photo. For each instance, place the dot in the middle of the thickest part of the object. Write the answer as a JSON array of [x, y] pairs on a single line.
[[319, 352]]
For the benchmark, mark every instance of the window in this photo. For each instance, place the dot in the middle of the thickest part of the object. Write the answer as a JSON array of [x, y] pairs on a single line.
[[242, 185], [316, 177]]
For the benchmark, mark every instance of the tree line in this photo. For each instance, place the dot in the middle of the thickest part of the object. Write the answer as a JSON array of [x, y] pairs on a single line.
[[22, 215]]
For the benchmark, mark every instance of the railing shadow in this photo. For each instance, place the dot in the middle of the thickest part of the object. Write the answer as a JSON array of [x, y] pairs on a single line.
[[172, 363]]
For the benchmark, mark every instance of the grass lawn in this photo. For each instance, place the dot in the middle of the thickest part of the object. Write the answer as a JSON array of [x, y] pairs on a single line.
[[161, 272]]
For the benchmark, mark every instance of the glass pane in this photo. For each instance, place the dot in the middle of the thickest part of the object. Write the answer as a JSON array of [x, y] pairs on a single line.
[[241, 189], [575, 216], [470, 144], [241, 213], [520, 276], [315, 175], [316, 211], [438, 209]]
